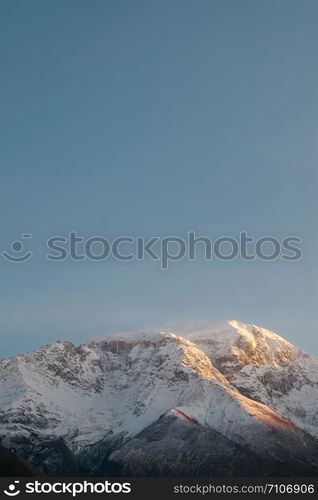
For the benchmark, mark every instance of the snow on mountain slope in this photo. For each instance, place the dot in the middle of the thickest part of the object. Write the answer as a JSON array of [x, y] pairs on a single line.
[[177, 445], [263, 366], [83, 392], [104, 394]]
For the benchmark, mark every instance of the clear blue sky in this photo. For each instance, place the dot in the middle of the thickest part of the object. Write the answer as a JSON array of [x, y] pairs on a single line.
[[157, 117]]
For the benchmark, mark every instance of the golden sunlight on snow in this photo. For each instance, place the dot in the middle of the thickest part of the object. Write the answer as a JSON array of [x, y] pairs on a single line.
[[263, 413]]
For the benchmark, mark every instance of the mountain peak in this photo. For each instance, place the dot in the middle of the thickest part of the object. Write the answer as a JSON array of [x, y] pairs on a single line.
[[238, 343], [253, 332]]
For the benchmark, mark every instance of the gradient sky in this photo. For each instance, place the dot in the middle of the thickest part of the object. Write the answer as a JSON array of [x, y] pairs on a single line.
[[157, 117]]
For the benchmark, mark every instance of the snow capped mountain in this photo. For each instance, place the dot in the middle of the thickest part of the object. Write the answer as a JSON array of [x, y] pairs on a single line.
[[204, 400], [264, 367]]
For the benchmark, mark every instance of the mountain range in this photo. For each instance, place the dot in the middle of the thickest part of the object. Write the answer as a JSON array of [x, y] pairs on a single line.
[[195, 399]]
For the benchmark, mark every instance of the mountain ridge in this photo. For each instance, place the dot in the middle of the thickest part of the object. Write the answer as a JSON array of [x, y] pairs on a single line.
[[106, 393]]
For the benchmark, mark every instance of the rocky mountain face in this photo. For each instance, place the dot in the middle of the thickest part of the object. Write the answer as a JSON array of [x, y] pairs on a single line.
[[203, 401]]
